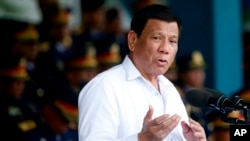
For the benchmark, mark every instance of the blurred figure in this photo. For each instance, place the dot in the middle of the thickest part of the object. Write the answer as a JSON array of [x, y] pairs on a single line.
[[14, 15], [93, 17], [220, 130], [55, 25], [79, 69], [56, 42], [115, 31], [92, 34], [20, 118], [114, 46], [191, 74], [21, 40], [26, 43], [56, 46], [191, 70], [93, 22], [61, 109]]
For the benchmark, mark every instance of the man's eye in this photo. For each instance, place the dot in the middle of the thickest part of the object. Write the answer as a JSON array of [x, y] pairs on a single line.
[[157, 38], [173, 41]]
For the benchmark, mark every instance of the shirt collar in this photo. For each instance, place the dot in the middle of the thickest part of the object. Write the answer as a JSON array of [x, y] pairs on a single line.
[[131, 71]]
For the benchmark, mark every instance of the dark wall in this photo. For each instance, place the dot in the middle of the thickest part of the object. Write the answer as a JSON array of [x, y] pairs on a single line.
[[197, 23]]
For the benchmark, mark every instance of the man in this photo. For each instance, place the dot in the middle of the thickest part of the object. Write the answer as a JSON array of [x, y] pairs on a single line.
[[134, 101]]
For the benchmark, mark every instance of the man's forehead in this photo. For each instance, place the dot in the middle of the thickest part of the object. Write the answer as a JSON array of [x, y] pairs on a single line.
[[160, 26]]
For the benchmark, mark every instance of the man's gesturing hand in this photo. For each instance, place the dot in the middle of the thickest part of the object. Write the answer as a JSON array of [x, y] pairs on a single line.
[[157, 129], [194, 131]]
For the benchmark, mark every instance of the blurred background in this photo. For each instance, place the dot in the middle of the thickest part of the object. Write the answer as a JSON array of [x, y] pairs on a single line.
[[220, 30], [49, 49]]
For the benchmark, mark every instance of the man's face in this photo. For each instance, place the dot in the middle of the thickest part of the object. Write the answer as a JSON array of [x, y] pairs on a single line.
[[195, 77], [16, 88], [28, 49], [154, 51]]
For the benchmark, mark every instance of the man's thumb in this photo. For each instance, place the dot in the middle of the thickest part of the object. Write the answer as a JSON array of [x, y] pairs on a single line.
[[149, 114]]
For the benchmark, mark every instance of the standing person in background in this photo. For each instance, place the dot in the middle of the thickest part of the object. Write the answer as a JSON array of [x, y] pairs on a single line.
[[90, 34], [22, 41], [19, 116], [191, 71], [55, 42], [78, 70], [191, 68], [115, 31], [91, 30], [191, 74], [220, 130], [133, 100], [114, 47]]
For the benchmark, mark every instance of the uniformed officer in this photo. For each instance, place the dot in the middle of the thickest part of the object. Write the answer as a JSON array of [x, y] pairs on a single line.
[[55, 43], [21, 41], [79, 69], [220, 130], [61, 110], [191, 74], [91, 32], [114, 29], [191, 69], [20, 118]]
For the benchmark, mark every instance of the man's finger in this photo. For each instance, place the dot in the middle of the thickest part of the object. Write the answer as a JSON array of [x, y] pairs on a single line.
[[149, 114]]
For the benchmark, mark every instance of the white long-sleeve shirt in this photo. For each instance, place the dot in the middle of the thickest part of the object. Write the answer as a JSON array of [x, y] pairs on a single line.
[[112, 105]]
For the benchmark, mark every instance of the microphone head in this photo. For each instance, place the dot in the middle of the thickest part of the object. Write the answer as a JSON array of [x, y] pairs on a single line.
[[198, 97], [221, 100], [216, 94]]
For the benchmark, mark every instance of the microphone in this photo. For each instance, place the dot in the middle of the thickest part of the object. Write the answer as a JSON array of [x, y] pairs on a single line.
[[209, 97], [198, 98], [237, 102]]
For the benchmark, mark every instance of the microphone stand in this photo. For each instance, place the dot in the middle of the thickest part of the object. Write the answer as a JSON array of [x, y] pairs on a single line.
[[239, 105]]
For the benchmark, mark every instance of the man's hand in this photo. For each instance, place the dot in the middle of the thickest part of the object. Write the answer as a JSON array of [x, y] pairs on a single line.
[[158, 128], [194, 131]]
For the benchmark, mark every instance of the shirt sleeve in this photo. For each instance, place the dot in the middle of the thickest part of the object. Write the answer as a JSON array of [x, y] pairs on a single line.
[[99, 113]]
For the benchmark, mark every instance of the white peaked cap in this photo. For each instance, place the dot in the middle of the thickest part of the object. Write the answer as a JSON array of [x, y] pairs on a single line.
[[21, 10]]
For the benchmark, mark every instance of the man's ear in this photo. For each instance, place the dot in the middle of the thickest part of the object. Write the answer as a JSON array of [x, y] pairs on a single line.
[[132, 37]]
